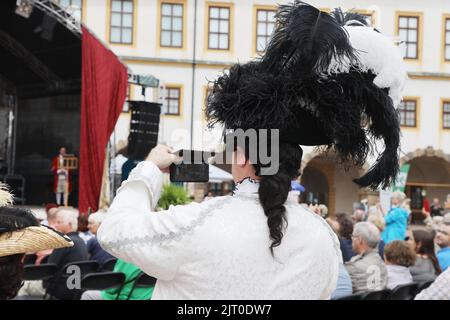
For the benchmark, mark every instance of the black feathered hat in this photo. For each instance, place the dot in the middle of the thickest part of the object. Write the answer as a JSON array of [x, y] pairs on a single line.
[[324, 79]]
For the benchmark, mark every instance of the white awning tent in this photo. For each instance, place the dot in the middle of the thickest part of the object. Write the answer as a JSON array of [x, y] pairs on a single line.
[[217, 175]]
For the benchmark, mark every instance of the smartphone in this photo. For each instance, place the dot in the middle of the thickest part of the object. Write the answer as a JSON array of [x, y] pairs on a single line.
[[193, 168]]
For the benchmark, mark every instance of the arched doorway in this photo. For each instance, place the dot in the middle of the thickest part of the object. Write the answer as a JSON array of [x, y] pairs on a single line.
[[329, 182], [428, 178], [316, 184]]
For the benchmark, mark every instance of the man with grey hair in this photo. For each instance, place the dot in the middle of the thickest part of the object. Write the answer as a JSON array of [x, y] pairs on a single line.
[[66, 222], [366, 269]]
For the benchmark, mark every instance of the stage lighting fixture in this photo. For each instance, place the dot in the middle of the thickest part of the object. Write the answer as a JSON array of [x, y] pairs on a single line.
[[24, 8]]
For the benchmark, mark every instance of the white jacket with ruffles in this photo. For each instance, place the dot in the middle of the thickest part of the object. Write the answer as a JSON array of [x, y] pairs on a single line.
[[219, 249]]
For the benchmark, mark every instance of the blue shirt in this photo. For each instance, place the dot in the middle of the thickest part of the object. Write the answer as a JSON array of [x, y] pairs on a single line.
[[443, 256], [396, 225], [344, 284]]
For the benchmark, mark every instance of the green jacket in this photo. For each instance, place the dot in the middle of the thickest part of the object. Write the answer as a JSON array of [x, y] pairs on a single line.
[[131, 272]]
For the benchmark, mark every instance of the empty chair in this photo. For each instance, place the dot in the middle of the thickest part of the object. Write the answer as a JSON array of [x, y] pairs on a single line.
[[377, 295], [142, 281], [355, 296], [404, 292], [41, 272], [108, 265], [103, 281]]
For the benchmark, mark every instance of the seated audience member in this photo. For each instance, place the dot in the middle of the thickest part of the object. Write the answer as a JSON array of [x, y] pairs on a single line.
[[443, 241], [376, 217], [41, 256], [50, 210], [95, 251], [344, 283], [344, 231], [83, 229], [131, 273], [439, 289], [66, 223], [358, 215], [427, 266], [367, 270], [20, 232], [398, 257]]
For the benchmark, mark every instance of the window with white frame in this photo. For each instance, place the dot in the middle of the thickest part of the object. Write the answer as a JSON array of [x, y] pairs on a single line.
[[408, 113], [171, 25], [172, 101], [446, 115], [265, 23], [219, 28], [121, 22], [408, 31], [447, 39]]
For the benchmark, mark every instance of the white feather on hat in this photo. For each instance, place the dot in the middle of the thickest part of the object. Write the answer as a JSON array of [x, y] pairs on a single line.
[[6, 198]]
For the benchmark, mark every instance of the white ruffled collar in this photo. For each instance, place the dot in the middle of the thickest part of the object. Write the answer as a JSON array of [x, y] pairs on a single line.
[[246, 186]]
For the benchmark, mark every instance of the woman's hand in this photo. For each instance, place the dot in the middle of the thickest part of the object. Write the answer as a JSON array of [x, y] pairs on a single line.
[[163, 157]]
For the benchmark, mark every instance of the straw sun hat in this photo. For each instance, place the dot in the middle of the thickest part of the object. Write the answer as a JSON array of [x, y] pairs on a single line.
[[30, 239]]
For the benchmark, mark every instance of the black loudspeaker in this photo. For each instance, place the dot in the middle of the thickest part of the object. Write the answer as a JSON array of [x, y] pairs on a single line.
[[144, 128]]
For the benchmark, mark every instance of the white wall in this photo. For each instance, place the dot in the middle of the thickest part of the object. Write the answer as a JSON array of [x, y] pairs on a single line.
[[429, 90]]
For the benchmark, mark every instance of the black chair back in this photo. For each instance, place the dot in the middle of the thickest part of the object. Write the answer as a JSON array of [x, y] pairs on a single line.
[[41, 272], [86, 267], [108, 265], [355, 296], [423, 285], [404, 292], [29, 259], [377, 295], [102, 281], [143, 280]]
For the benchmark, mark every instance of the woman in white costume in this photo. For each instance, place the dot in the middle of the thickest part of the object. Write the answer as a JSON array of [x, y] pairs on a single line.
[[317, 89]]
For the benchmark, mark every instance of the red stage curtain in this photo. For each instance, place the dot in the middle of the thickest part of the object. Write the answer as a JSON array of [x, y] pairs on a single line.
[[103, 93]]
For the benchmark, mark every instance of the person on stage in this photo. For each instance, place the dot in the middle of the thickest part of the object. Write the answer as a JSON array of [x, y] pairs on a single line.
[[62, 181], [325, 79]]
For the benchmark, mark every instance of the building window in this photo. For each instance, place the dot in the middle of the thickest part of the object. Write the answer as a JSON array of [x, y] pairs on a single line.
[[408, 31], [447, 39], [121, 25], [171, 25], [73, 6], [265, 22], [219, 28], [172, 101], [408, 113], [446, 115]]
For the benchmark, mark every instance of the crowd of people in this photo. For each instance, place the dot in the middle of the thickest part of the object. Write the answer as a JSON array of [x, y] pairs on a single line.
[[383, 250], [82, 231]]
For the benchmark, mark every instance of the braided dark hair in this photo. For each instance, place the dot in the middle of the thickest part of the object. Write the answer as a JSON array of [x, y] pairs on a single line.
[[274, 189]]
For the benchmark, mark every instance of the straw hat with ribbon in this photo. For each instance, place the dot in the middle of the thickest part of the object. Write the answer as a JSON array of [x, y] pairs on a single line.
[[16, 239]]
